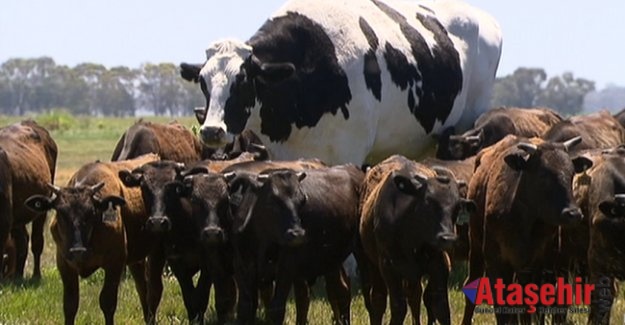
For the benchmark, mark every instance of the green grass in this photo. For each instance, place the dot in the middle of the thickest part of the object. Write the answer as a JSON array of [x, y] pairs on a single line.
[[29, 302]]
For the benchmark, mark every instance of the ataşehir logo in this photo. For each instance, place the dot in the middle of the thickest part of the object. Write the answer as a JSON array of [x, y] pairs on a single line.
[[514, 294]]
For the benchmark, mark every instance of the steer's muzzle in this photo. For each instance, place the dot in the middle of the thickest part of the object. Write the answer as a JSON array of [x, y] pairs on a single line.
[[77, 254], [213, 236], [295, 236], [213, 136], [571, 214], [445, 240], [158, 224]]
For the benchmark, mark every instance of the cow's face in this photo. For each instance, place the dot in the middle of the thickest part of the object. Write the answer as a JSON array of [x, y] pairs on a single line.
[[273, 200], [210, 205], [79, 210], [547, 173], [152, 178], [458, 147], [427, 206], [230, 79]]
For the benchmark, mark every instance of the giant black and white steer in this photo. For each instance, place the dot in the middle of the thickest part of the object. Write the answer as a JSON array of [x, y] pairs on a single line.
[[350, 81]]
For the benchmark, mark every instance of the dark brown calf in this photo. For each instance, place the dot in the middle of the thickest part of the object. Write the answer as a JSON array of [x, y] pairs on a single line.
[[408, 211], [90, 233], [598, 131], [191, 215], [523, 192]]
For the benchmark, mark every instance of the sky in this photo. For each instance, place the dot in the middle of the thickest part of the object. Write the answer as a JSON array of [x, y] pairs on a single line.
[[583, 37]]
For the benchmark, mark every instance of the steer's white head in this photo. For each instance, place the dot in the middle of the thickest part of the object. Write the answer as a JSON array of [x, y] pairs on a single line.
[[217, 78]]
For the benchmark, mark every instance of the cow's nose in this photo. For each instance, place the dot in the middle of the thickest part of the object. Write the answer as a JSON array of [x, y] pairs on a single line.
[[446, 239], [212, 235], [158, 224], [77, 253], [212, 135], [572, 214], [295, 236]]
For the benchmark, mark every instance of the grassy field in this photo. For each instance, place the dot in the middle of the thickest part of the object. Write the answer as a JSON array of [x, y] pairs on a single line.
[[83, 140]]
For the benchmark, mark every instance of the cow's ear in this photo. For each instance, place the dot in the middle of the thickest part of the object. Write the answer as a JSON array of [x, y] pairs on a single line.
[[612, 209], [129, 178], [39, 203], [517, 160], [469, 206], [581, 164], [112, 200], [408, 185], [190, 72], [276, 72]]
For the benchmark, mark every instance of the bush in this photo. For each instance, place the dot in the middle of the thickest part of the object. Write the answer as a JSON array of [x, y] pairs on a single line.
[[57, 120]]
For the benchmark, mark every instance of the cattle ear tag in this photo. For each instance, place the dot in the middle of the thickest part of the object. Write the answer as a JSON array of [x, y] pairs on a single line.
[[110, 214], [463, 217]]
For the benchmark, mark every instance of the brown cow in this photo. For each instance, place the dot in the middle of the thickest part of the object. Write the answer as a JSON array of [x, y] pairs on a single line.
[[463, 172], [91, 233], [27, 164], [598, 131], [175, 142], [179, 211], [8, 258], [597, 243], [522, 188], [493, 126], [620, 116], [408, 211]]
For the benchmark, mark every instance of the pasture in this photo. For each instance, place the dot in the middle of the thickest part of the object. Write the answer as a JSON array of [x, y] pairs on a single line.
[[82, 140]]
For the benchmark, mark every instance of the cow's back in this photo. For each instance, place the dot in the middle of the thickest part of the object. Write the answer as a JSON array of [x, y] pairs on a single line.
[[170, 141], [32, 154], [598, 130]]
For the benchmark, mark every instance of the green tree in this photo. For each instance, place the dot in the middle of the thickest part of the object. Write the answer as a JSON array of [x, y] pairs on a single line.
[[565, 93], [519, 89]]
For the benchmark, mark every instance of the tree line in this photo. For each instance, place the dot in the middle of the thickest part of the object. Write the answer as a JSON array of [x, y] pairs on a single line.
[[39, 85]]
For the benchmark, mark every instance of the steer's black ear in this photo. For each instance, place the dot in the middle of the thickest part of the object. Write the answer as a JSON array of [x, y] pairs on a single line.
[[276, 72], [190, 72], [38, 203], [517, 160], [469, 206], [130, 179], [612, 209], [581, 164]]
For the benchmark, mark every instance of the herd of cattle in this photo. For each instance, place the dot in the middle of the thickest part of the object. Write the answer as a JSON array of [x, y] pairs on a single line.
[[524, 196]]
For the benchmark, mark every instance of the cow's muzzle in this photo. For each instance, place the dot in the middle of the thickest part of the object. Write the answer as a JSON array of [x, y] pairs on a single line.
[[571, 214], [78, 253], [213, 136], [295, 237], [213, 236], [158, 224], [445, 240]]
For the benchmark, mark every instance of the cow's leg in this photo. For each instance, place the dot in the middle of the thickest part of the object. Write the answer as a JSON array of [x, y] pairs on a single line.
[[413, 293], [505, 273], [378, 294], [4, 249], [225, 298], [476, 265], [396, 292], [339, 294], [363, 269], [284, 281], [71, 290], [185, 280], [20, 237], [138, 271], [156, 263], [435, 296], [37, 230], [108, 295], [302, 301], [202, 293]]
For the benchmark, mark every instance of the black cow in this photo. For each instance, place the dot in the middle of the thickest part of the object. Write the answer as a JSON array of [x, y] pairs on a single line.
[[291, 227]]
